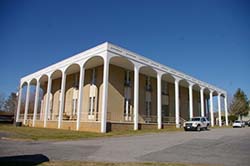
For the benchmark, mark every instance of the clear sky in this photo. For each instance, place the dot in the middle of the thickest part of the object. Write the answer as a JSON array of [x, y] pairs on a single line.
[[209, 40]]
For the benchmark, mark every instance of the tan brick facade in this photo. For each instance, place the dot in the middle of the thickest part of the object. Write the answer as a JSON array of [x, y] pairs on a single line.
[[115, 112]]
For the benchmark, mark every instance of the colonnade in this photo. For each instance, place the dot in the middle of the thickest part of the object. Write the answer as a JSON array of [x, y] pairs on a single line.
[[137, 65]]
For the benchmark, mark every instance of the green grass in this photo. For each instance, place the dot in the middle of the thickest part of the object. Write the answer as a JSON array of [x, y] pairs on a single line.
[[224, 126], [30, 133], [44, 134], [81, 163]]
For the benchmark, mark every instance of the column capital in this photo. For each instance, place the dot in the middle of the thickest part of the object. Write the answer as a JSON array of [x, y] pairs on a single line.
[[176, 79], [202, 88], [137, 65], [160, 73], [49, 74], [190, 84], [63, 69], [211, 91]]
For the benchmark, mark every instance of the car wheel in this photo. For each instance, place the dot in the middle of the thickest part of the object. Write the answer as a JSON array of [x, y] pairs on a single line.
[[198, 128]]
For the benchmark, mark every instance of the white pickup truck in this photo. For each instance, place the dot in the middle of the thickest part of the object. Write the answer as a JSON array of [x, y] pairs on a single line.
[[196, 123]]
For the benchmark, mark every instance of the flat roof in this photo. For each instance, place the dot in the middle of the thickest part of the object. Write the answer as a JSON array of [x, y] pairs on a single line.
[[107, 46]]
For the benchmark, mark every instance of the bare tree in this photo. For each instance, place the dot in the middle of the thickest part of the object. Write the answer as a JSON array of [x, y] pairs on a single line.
[[10, 103], [2, 101]]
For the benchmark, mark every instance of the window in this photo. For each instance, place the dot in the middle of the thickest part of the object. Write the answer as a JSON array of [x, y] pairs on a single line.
[[148, 96], [148, 109], [127, 79], [91, 105], [195, 119], [165, 111], [74, 107], [90, 101], [92, 96], [164, 89], [127, 97], [93, 79], [74, 101], [148, 84], [127, 110], [76, 81]]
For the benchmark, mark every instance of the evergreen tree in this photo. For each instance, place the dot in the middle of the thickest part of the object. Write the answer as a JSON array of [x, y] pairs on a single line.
[[240, 104]]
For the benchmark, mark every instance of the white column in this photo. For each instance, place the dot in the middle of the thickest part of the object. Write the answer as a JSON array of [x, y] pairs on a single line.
[[19, 103], [159, 118], [226, 113], [205, 106], [61, 106], [219, 109], [47, 107], [211, 107], [136, 96], [202, 101], [177, 111], [190, 100], [26, 104], [105, 94], [36, 102], [79, 106]]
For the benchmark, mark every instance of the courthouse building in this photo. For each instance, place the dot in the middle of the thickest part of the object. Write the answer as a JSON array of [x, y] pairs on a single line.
[[110, 88]]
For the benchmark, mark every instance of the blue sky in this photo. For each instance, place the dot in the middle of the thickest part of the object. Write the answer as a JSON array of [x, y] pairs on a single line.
[[209, 40]]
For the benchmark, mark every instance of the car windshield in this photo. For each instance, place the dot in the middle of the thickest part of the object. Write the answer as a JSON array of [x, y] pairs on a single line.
[[195, 119], [237, 121]]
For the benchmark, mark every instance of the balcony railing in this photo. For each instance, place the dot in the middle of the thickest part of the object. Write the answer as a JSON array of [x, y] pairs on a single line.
[[29, 116], [118, 117], [111, 116]]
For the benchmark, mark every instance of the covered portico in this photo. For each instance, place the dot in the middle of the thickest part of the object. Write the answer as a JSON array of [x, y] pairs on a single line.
[[110, 84]]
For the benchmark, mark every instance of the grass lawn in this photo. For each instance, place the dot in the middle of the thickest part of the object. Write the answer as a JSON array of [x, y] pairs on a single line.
[[30, 133], [224, 126]]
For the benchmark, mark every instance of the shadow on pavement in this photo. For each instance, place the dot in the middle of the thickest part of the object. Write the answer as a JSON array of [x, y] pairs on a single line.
[[27, 160]]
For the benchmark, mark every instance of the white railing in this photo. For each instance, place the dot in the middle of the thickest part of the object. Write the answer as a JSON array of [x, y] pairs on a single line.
[[29, 116], [118, 117]]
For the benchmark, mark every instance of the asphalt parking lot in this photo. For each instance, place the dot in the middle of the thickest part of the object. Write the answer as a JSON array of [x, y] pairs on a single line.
[[225, 146]]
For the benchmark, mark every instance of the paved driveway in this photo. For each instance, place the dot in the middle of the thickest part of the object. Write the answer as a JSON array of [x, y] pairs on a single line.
[[219, 146]]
